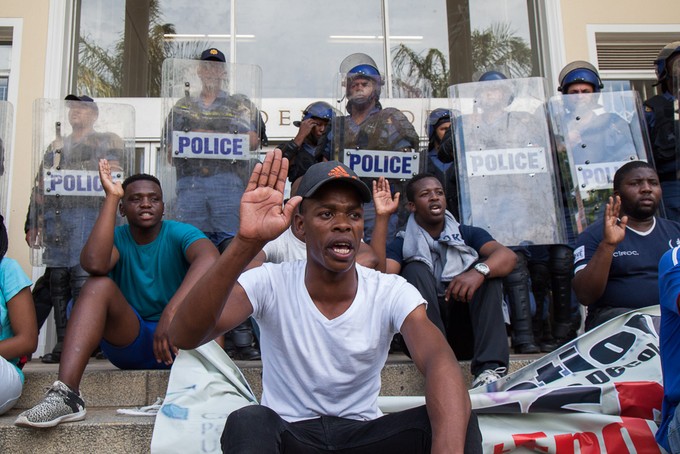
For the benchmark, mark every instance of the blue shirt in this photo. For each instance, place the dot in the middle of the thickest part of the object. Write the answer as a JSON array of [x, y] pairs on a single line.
[[12, 281], [669, 340], [633, 275], [148, 275]]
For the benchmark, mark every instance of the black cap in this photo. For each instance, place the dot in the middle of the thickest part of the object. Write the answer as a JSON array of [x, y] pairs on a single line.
[[213, 54], [82, 98], [325, 172]]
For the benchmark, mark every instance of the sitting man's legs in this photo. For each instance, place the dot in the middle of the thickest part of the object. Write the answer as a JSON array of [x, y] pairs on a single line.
[[491, 353], [258, 429], [101, 315]]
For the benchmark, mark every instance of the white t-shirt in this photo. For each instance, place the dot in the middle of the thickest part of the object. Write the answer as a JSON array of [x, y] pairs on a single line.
[[286, 248], [313, 366]]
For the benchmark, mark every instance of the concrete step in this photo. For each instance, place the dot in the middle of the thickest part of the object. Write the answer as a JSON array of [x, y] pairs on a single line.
[[104, 385], [102, 431], [106, 388]]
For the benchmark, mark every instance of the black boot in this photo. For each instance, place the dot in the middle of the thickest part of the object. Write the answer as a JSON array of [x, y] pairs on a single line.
[[540, 287], [561, 270], [244, 340], [60, 294], [517, 290]]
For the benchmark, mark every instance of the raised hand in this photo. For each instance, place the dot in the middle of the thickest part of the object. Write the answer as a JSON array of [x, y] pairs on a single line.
[[263, 215], [382, 198], [114, 188], [614, 227]]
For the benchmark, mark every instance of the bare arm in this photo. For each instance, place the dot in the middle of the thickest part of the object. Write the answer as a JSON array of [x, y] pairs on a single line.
[[366, 256], [99, 255], [259, 259], [446, 397], [385, 206], [24, 326], [217, 301], [201, 254], [590, 282]]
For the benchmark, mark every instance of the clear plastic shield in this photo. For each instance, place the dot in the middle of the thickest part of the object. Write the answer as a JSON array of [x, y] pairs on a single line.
[[377, 138], [209, 143], [595, 134], [69, 138], [506, 169], [6, 124]]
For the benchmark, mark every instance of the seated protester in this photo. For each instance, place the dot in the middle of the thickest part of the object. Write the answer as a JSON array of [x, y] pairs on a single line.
[[458, 269], [616, 258], [18, 327], [325, 338], [139, 273], [290, 246], [668, 435]]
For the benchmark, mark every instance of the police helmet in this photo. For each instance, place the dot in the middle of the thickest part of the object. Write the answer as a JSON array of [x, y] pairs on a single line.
[[437, 117], [579, 71], [365, 71], [492, 75], [495, 76], [318, 109], [665, 54]]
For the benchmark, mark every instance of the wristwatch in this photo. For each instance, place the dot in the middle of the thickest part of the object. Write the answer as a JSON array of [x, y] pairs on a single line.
[[483, 269]]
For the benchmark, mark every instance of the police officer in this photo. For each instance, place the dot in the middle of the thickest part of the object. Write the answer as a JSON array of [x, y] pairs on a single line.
[[61, 223], [660, 123], [438, 131], [310, 145], [578, 77], [369, 126], [209, 190]]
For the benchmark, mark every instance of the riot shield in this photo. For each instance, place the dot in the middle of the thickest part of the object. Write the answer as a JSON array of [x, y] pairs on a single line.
[[378, 141], [209, 143], [6, 118], [69, 138], [595, 134], [506, 170]]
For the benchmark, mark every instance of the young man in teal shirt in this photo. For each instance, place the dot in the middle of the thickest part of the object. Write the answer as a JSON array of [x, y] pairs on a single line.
[[139, 272]]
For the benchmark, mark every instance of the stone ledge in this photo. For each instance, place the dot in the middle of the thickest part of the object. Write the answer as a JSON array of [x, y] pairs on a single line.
[[104, 385]]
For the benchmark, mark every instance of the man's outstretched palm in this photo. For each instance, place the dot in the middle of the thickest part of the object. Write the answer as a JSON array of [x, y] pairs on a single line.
[[263, 215]]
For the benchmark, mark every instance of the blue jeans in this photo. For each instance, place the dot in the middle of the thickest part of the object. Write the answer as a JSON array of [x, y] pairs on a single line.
[[674, 431], [258, 429], [210, 203], [671, 199]]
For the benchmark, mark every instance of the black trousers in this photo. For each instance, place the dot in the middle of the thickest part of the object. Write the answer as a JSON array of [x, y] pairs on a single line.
[[260, 430], [475, 330]]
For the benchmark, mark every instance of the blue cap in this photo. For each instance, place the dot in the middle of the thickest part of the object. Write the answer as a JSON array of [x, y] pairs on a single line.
[[213, 54]]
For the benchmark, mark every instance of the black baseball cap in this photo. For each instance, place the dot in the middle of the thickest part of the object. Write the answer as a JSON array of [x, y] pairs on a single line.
[[213, 54], [325, 172], [83, 98]]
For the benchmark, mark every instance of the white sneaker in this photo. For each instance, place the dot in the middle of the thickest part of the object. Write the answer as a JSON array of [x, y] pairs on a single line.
[[60, 404], [488, 376]]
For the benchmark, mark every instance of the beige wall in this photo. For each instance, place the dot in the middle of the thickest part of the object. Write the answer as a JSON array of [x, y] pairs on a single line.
[[578, 14], [31, 84]]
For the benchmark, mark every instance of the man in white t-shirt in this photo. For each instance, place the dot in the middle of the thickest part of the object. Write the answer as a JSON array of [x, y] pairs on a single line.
[[326, 325], [290, 246]]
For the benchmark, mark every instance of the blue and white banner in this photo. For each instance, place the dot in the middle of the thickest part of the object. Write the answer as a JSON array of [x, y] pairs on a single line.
[[598, 175], [398, 165], [75, 182], [210, 145], [506, 162]]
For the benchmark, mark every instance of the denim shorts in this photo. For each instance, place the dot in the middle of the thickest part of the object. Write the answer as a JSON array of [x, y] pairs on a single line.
[[138, 354]]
